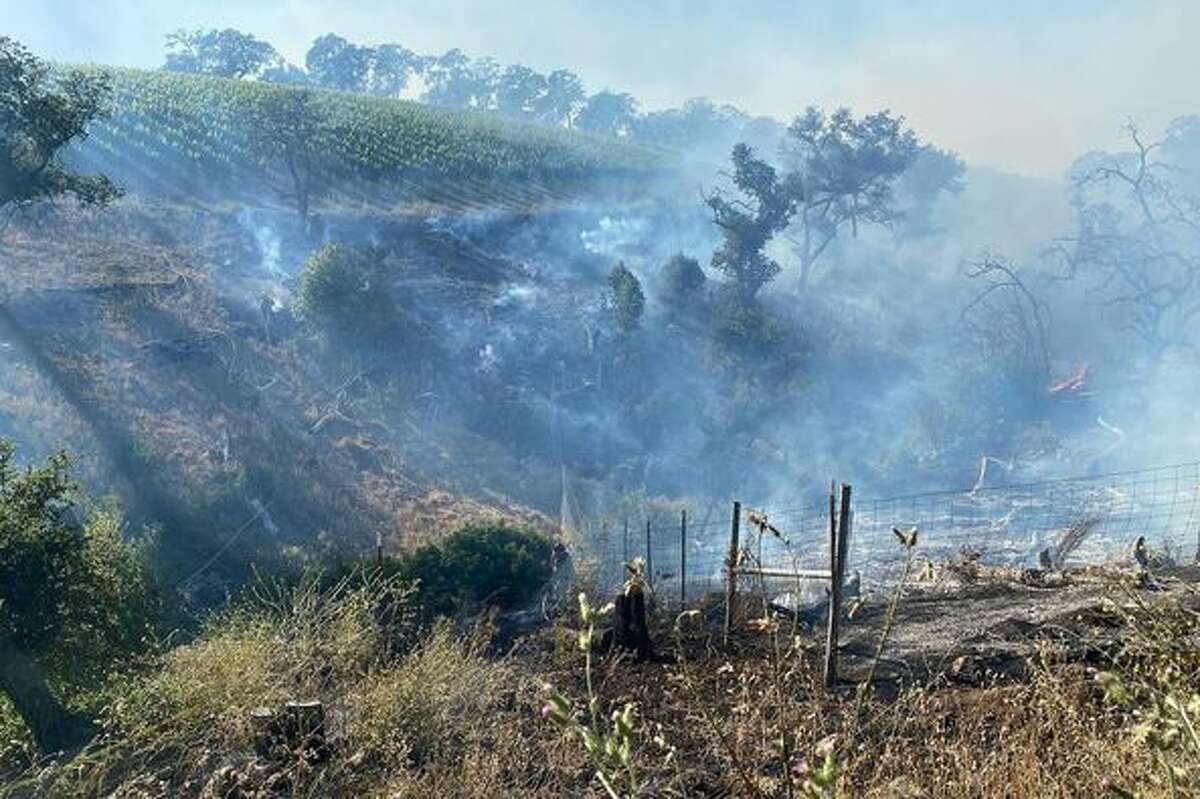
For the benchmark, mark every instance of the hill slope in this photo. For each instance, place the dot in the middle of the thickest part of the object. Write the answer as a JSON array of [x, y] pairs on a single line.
[[184, 137]]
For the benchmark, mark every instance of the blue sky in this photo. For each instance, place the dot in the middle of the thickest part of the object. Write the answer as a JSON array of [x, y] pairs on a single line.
[[1018, 85]]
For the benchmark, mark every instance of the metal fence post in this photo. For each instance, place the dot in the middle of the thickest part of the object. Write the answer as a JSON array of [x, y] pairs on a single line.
[[625, 545], [649, 554], [683, 557], [731, 566]]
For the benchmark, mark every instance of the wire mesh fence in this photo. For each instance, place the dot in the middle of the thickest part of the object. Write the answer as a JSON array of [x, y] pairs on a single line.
[[1068, 522], [1057, 523]]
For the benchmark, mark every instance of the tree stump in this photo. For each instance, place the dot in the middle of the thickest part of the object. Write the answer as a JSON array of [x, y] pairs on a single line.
[[631, 631], [305, 726], [268, 733], [299, 729]]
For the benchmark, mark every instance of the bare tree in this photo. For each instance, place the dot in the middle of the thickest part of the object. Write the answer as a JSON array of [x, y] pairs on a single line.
[[1136, 242], [1006, 315]]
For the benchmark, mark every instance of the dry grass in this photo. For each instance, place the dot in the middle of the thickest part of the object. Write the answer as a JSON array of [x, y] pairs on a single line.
[[436, 715]]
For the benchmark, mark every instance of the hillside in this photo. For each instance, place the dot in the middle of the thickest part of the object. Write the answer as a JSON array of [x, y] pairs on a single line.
[[129, 341], [192, 137], [135, 337]]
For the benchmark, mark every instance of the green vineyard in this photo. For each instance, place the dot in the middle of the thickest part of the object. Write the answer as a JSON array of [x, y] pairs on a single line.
[[179, 136]]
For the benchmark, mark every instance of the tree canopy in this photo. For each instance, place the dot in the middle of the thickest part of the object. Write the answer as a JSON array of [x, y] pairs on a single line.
[[607, 112], [42, 110], [682, 278], [844, 171], [226, 53], [762, 206], [336, 63]]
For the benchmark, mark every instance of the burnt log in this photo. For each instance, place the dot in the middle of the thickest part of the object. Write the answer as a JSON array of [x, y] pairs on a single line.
[[630, 630]]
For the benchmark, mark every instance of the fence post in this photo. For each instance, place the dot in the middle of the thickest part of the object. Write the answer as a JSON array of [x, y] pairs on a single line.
[[683, 557], [625, 547], [839, 535], [731, 565], [649, 554], [379, 549]]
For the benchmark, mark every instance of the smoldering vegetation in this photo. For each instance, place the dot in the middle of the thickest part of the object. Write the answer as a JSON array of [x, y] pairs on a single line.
[[343, 375], [992, 321], [847, 299]]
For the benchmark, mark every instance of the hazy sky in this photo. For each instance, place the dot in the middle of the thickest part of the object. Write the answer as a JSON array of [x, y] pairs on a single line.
[[1021, 85]]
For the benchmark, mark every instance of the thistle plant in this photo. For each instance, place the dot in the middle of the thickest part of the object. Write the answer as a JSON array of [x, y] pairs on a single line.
[[608, 742]]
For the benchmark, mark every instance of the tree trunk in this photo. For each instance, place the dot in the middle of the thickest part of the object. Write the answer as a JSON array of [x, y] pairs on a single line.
[[54, 728]]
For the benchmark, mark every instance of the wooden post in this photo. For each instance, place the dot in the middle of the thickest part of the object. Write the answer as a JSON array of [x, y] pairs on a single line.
[[731, 565], [830, 672], [379, 549], [649, 556], [839, 536], [683, 557], [845, 530]]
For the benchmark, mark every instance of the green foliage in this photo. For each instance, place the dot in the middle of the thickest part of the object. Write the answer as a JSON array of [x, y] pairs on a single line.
[[608, 113], [41, 550], [682, 279], [625, 299], [608, 745], [489, 563], [189, 124], [78, 597], [119, 603], [338, 64], [743, 331], [226, 53], [41, 111], [343, 295], [76, 601], [749, 222], [288, 125], [845, 170]]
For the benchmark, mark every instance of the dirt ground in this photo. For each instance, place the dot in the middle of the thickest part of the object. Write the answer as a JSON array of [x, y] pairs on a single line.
[[991, 622]]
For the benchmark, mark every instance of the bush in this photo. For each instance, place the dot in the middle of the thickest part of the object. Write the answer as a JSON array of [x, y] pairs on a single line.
[[425, 708], [343, 295], [682, 279], [75, 600], [744, 333], [625, 299], [480, 564]]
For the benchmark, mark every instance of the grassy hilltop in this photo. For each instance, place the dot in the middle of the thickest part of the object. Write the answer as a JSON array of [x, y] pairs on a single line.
[[175, 135]]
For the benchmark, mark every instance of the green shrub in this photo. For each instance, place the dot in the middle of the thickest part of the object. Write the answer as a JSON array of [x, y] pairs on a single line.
[[625, 299], [343, 295], [682, 280], [481, 564], [743, 332], [76, 600]]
